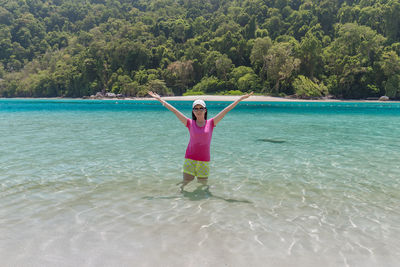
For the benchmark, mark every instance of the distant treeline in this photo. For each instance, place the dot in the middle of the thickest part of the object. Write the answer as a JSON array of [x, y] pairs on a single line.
[[306, 48]]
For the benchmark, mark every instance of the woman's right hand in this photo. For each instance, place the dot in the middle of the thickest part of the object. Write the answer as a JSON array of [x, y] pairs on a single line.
[[246, 96], [155, 95]]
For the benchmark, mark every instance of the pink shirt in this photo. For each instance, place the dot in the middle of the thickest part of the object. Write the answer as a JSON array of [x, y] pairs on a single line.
[[200, 140]]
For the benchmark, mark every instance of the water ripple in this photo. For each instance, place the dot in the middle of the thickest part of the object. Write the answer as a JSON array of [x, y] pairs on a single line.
[[97, 188]]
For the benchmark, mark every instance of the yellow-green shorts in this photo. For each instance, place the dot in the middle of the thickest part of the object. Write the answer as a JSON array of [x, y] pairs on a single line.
[[196, 167]]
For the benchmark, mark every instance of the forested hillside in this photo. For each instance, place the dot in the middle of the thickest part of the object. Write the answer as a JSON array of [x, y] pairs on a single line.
[[307, 48]]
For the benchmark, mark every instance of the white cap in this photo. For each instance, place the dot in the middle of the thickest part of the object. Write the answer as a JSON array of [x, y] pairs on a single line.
[[199, 102]]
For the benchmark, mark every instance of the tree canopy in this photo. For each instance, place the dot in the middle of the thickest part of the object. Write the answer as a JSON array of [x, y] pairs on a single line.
[[307, 48]]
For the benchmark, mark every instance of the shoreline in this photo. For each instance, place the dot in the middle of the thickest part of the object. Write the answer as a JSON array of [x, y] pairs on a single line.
[[254, 98]]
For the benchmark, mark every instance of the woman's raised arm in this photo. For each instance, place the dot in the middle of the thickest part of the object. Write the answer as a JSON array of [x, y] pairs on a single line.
[[222, 114], [177, 113]]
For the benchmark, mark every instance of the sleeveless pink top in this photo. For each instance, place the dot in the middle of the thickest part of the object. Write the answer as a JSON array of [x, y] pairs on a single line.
[[200, 140]]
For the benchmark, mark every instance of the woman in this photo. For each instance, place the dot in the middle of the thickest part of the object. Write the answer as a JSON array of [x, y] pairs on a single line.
[[197, 157]]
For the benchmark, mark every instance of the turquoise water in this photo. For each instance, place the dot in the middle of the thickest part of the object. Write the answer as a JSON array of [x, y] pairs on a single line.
[[93, 183]]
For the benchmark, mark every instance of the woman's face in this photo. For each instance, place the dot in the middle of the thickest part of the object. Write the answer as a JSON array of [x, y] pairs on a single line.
[[199, 111]]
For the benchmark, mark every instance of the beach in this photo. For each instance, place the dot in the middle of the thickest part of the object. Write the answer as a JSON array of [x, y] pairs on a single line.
[[253, 98]]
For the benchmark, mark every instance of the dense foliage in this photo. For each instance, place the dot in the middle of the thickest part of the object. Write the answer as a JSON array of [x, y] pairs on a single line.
[[308, 48]]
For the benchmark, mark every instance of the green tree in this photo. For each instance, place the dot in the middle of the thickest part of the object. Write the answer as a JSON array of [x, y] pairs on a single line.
[[280, 64], [244, 79], [199, 26], [248, 82], [217, 64], [239, 72], [5, 43], [372, 16], [306, 88], [259, 51], [180, 30], [2, 72], [6, 17], [159, 87], [353, 59], [326, 11], [310, 54], [348, 14], [274, 25], [250, 29], [391, 68], [179, 75], [211, 85], [223, 66], [300, 22], [130, 55], [391, 17]]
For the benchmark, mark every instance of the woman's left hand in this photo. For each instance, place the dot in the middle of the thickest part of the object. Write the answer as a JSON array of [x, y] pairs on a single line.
[[155, 95], [246, 96]]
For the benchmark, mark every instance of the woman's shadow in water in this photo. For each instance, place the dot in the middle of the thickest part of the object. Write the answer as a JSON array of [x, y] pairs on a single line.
[[200, 193], [203, 192]]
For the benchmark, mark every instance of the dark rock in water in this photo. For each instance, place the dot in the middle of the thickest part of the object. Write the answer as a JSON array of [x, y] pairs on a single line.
[[271, 141]]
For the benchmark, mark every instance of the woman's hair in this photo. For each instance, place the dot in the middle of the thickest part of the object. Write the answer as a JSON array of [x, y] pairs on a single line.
[[194, 116]]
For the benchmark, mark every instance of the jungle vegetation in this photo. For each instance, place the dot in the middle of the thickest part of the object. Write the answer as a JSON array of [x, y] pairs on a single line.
[[306, 48]]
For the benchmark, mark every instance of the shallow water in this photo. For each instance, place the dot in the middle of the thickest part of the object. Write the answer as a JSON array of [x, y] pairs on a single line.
[[93, 183]]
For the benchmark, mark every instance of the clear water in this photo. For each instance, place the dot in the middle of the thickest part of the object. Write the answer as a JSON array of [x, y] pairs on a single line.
[[93, 183]]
